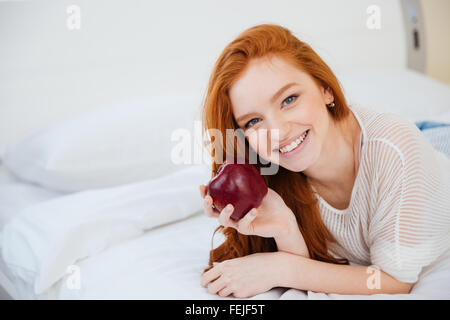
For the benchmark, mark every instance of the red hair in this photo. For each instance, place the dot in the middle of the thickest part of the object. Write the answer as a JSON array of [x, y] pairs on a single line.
[[256, 42]]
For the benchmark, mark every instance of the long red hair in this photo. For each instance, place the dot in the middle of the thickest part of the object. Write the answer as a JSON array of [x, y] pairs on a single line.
[[256, 42]]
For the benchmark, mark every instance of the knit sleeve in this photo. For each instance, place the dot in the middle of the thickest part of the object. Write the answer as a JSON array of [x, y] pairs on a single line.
[[410, 227]]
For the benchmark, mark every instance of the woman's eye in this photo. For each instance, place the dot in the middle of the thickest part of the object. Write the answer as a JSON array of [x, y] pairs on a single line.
[[250, 123], [290, 99]]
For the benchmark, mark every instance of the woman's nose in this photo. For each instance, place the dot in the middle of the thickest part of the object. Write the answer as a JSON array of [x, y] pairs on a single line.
[[277, 122], [278, 130]]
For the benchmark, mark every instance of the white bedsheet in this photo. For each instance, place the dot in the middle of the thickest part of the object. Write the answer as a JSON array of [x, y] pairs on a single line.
[[16, 195], [434, 283], [44, 239], [167, 262]]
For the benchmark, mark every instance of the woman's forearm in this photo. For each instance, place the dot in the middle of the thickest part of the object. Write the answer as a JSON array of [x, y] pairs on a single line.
[[292, 243], [306, 274], [291, 240]]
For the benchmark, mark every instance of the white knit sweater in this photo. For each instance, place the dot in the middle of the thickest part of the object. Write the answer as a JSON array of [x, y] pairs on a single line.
[[398, 218]]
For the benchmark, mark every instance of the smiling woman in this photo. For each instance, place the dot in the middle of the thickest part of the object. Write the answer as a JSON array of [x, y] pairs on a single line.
[[297, 111], [363, 187]]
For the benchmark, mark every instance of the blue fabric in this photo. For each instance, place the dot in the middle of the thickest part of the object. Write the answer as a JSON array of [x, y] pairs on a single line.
[[423, 125], [438, 134]]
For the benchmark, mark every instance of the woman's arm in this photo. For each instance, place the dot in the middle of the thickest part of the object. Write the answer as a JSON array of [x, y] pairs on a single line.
[[298, 272], [292, 241]]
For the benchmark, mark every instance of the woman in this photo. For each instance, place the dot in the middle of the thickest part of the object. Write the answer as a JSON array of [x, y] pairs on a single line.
[[360, 203]]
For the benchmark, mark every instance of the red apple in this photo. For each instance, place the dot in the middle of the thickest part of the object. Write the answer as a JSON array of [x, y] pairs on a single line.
[[239, 184]]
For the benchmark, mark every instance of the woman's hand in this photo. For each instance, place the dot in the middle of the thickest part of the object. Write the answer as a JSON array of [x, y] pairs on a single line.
[[243, 277], [273, 218]]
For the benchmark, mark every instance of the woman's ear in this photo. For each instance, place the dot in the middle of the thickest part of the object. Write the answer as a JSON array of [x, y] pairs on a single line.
[[327, 94]]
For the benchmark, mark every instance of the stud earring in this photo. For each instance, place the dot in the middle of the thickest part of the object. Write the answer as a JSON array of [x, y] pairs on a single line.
[[331, 105]]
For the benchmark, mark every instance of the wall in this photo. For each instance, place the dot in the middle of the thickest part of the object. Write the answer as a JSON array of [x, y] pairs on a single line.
[[437, 28], [127, 49]]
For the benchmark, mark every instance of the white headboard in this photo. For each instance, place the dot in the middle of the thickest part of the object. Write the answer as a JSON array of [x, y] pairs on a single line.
[[128, 49]]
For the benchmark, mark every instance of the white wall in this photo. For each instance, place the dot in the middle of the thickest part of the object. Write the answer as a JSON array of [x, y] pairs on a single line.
[[437, 28], [129, 48]]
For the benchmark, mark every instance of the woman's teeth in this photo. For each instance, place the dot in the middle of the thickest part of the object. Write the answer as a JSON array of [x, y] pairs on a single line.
[[294, 144]]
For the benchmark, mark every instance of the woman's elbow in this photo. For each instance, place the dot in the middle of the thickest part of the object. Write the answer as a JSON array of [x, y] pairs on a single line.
[[406, 287]]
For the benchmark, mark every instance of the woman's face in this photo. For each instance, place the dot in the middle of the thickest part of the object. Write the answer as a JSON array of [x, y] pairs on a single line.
[[273, 94]]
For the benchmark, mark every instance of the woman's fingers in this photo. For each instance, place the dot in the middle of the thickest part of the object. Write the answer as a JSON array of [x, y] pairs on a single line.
[[202, 190], [245, 225], [211, 275], [224, 217], [217, 285], [225, 292], [207, 206], [207, 203]]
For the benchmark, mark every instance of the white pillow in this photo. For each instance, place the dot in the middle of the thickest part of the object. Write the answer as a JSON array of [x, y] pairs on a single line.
[[105, 147], [405, 92], [45, 239]]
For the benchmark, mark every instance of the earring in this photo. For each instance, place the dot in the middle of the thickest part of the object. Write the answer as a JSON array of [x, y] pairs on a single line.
[[331, 105]]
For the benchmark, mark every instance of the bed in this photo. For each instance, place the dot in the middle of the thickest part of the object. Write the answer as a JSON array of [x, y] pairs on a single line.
[[80, 224], [164, 261], [146, 238]]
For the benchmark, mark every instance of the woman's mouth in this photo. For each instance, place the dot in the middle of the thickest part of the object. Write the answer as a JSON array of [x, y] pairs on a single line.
[[295, 145]]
